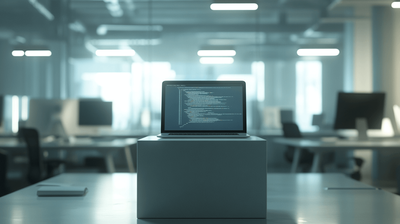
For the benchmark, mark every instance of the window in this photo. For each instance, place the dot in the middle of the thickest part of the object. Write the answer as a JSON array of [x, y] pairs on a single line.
[[308, 93]]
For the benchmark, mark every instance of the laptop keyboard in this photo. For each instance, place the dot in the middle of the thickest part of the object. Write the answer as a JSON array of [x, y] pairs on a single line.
[[203, 134]]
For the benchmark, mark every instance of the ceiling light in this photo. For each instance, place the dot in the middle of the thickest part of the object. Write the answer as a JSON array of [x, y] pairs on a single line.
[[395, 5], [234, 6], [17, 53], [103, 29], [216, 53], [38, 53], [318, 52], [216, 60], [123, 53]]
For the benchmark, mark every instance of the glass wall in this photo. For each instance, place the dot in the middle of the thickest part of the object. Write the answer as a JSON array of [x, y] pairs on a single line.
[[161, 40], [166, 38]]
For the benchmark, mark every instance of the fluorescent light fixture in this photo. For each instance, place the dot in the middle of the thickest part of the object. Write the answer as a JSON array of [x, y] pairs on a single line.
[[234, 6], [216, 60], [17, 53], [116, 53], [318, 52], [395, 5], [103, 29], [38, 53], [216, 53]]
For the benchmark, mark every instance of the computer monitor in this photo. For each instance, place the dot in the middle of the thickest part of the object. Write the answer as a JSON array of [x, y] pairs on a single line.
[[94, 113], [359, 111], [317, 120], [45, 116], [286, 116]]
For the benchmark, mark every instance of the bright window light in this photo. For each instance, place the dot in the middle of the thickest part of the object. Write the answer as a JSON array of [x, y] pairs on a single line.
[[234, 6], [18, 53], [216, 53], [318, 52], [395, 5], [308, 92], [216, 60], [24, 108], [123, 53], [14, 113], [38, 53]]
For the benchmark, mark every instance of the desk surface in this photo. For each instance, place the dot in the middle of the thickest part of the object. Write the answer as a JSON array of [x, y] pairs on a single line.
[[102, 146], [383, 143], [83, 143], [292, 198]]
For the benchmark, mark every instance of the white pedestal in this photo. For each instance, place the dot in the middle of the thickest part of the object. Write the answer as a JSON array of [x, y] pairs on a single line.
[[201, 178]]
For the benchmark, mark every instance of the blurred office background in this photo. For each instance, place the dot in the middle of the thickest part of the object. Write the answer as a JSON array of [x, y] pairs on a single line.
[[161, 40]]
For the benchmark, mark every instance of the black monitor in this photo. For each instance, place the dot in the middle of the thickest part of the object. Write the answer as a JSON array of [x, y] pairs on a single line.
[[353, 106], [95, 113]]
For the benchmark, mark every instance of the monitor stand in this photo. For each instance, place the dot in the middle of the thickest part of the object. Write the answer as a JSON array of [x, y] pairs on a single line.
[[362, 127]]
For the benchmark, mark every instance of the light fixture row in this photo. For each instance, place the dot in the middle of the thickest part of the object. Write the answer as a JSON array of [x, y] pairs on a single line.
[[234, 6], [306, 52], [31, 53], [220, 56], [216, 56], [116, 53]]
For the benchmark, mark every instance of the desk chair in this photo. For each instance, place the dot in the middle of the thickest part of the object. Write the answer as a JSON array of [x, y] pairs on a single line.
[[39, 169], [3, 173], [291, 130]]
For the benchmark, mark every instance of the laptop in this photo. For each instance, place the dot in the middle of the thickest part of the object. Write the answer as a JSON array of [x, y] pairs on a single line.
[[191, 109]]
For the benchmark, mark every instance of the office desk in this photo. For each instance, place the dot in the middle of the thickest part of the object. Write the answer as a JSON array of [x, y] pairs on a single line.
[[104, 147], [319, 147], [303, 198], [291, 199]]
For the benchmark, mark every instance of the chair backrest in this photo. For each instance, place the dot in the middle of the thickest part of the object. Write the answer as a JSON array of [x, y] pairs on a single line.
[[3, 172], [291, 130], [36, 166]]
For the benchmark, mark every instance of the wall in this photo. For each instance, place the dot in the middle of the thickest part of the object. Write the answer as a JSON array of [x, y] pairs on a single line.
[[33, 76]]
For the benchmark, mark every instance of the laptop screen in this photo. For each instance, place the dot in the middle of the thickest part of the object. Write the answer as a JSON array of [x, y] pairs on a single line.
[[203, 106]]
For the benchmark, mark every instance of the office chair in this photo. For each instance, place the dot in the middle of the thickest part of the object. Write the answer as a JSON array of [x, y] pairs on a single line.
[[356, 175], [291, 130], [3, 173], [39, 169]]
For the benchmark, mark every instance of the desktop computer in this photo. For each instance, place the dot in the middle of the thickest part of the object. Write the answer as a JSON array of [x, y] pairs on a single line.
[[95, 113], [87, 116], [360, 111], [45, 116]]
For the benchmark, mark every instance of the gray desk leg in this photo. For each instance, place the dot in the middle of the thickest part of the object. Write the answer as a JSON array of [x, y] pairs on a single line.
[[110, 163], [316, 162], [296, 159], [129, 160]]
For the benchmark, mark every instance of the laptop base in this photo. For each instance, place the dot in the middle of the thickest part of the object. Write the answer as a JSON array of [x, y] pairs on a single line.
[[236, 135]]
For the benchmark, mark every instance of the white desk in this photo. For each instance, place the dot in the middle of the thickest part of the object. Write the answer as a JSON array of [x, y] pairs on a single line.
[[291, 199], [319, 147], [104, 147], [302, 198]]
